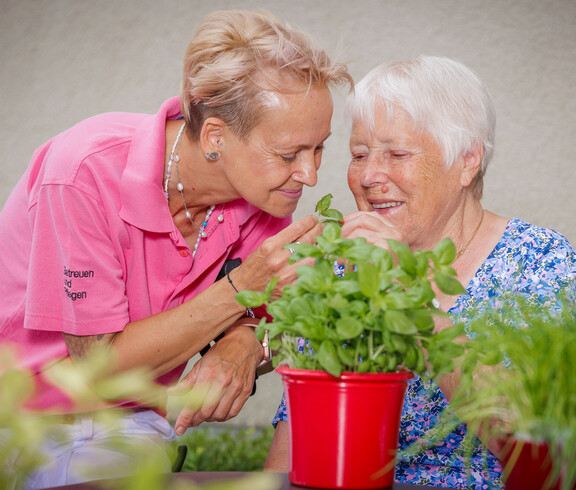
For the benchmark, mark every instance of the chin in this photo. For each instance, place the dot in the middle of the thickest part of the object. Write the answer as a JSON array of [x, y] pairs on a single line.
[[279, 211]]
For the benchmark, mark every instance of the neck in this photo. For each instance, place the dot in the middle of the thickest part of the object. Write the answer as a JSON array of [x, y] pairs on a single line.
[[203, 181], [457, 223]]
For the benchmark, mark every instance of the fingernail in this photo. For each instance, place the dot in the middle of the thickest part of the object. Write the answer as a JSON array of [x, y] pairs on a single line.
[[180, 430]]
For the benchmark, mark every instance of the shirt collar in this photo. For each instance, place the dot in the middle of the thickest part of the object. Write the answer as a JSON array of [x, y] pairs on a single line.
[[143, 200]]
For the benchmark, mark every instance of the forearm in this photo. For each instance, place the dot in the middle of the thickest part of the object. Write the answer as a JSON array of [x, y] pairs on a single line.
[[169, 339]]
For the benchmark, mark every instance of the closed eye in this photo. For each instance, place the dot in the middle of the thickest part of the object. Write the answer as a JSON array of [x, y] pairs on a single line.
[[288, 158], [359, 157], [291, 157], [399, 154]]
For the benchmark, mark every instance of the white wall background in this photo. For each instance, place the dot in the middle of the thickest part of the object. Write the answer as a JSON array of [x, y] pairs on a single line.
[[64, 60]]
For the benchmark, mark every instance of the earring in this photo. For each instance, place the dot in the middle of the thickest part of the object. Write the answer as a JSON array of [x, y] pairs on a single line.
[[213, 156]]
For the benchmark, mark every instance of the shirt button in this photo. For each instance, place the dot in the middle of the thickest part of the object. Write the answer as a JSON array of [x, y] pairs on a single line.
[[184, 253]]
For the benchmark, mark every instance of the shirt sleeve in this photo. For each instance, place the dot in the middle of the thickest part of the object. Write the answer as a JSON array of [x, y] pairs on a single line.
[[76, 283]]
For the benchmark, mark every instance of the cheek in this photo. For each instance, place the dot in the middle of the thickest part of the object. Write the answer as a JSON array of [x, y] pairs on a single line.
[[354, 180], [433, 175]]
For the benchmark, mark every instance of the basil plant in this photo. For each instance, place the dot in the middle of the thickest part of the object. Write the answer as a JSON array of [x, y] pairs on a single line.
[[376, 316]]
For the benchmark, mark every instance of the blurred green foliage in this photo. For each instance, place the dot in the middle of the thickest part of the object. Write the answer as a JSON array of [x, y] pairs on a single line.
[[213, 448], [90, 383]]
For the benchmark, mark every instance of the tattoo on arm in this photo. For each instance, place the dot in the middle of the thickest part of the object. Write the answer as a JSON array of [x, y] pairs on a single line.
[[80, 345]]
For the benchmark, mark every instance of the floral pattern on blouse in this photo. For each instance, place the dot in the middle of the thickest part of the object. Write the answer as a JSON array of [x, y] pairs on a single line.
[[530, 260]]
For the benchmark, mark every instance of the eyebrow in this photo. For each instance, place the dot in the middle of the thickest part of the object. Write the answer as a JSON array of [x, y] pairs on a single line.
[[302, 147], [306, 147]]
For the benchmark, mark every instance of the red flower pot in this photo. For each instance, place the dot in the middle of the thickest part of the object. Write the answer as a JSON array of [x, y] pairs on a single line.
[[343, 431], [526, 465]]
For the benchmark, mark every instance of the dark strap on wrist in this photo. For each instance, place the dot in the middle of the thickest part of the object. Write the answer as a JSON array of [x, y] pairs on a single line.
[[228, 266]]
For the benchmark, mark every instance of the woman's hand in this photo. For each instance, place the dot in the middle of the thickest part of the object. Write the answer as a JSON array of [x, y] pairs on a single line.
[[220, 382], [271, 259], [372, 226]]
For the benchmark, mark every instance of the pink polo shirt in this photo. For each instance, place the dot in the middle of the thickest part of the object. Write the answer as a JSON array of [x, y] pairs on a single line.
[[87, 242]]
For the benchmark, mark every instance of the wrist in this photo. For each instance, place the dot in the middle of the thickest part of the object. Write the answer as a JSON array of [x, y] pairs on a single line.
[[250, 325], [249, 312]]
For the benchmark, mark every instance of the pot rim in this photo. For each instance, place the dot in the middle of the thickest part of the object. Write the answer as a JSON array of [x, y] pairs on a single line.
[[400, 376]]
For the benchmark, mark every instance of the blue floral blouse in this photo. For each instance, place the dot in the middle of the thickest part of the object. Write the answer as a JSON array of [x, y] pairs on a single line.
[[534, 261]]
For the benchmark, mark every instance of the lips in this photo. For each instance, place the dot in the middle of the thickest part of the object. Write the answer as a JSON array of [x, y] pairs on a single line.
[[291, 193]]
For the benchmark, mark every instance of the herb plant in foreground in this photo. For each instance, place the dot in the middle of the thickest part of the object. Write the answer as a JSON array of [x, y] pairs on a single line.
[[535, 396], [518, 385], [376, 317], [326, 212]]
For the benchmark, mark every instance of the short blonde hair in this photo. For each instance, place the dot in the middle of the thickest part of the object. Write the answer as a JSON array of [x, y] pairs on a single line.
[[230, 55]]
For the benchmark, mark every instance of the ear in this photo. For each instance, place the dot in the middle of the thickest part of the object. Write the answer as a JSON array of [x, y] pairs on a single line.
[[212, 134], [472, 165]]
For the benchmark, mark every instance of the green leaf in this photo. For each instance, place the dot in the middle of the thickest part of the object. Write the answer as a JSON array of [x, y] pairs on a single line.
[[302, 250], [420, 294], [406, 258], [448, 284], [331, 231], [270, 287], [251, 299], [301, 307], [368, 279], [422, 318], [349, 327], [338, 302], [359, 252], [328, 358], [411, 357], [399, 323], [346, 355], [328, 246], [364, 366], [382, 258], [311, 279], [398, 343], [333, 213], [444, 252], [422, 262], [324, 203], [391, 362], [399, 301], [346, 287]]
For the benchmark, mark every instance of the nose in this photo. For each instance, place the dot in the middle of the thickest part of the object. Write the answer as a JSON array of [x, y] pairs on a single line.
[[373, 172], [307, 171]]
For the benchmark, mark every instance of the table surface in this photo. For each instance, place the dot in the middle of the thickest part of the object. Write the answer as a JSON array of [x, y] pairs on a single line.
[[278, 481]]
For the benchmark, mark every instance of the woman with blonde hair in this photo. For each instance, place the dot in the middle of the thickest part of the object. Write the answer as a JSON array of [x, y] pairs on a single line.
[[120, 227]]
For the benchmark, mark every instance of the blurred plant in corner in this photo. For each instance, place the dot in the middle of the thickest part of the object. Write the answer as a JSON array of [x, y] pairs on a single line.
[[89, 384]]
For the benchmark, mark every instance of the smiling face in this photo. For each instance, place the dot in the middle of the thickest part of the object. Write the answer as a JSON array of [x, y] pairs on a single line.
[[399, 172], [282, 153]]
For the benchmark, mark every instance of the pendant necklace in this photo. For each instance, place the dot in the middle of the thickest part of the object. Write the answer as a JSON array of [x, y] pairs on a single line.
[[459, 254]]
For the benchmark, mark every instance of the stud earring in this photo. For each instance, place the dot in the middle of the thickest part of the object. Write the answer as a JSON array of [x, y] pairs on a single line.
[[213, 156]]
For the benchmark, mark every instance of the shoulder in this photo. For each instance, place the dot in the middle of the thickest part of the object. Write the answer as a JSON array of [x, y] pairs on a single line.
[[534, 261], [94, 135], [94, 149], [533, 244]]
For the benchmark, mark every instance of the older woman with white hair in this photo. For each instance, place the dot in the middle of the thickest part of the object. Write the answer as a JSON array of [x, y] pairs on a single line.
[[422, 136]]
